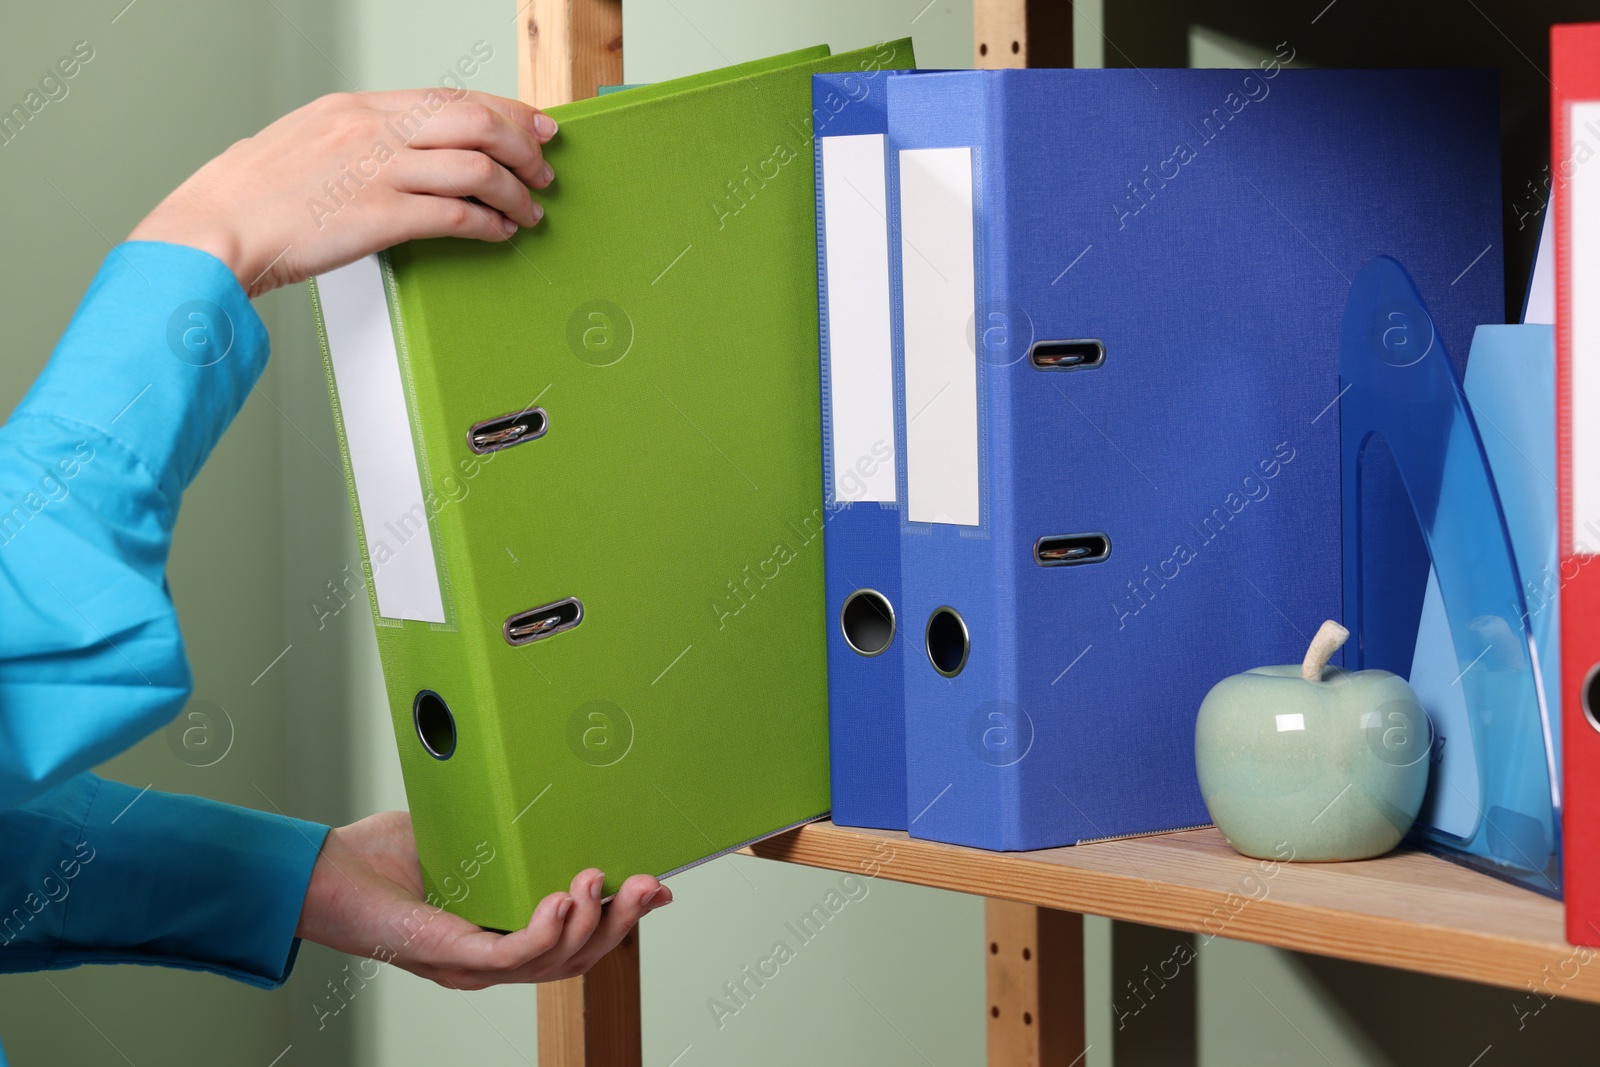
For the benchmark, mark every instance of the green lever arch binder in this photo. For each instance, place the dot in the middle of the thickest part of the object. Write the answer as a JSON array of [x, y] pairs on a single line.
[[585, 467]]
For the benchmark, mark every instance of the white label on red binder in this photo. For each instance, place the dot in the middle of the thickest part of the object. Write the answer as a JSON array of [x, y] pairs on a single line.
[[377, 431], [1583, 306], [856, 266], [941, 367]]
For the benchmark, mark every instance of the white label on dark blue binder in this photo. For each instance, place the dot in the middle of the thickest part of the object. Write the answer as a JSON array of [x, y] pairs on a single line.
[[377, 430], [1583, 306], [860, 372], [941, 367]]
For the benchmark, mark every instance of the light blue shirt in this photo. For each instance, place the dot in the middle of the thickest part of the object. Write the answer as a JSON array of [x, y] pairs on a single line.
[[157, 361]]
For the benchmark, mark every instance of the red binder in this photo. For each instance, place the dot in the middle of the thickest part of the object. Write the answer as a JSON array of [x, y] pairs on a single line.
[[1575, 151]]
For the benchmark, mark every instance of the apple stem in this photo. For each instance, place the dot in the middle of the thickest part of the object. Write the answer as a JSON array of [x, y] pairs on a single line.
[[1330, 638]]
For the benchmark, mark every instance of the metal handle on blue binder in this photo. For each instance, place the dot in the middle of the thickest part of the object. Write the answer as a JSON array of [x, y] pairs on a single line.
[[1069, 550], [1067, 355]]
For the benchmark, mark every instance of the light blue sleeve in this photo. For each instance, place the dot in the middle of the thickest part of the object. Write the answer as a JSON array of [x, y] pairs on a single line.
[[100, 872], [159, 358]]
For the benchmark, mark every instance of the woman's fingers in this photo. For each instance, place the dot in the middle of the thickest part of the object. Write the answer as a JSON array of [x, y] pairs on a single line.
[[448, 216], [486, 956], [586, 890], [431, 101], [475, 125], [457, 173], [621, 915], [577, 950]]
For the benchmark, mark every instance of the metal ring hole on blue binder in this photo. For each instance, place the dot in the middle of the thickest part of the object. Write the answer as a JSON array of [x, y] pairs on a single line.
[[545, 621], [1067, 355], [867, 622], [1069, 550], [503, 431], [436, 727], [947, 641]]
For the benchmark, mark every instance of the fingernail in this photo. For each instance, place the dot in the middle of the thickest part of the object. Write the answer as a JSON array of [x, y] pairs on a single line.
[[548, 176], [545, 125], [562, 909], [597, 885], [508, 226], [538, 213], [656, 898]]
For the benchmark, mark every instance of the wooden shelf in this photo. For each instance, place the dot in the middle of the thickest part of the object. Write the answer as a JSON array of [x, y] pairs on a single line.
[[1407, 910]]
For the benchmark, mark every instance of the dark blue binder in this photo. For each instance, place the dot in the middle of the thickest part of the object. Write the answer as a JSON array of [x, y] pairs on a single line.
[[1129, 485], [861, 538]]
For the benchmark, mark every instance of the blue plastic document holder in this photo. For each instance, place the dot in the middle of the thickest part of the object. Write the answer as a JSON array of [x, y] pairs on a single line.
[[1408, 437]]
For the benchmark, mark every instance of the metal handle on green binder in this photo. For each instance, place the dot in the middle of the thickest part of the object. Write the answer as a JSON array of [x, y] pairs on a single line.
[[503, 431], [1408, 437], [544, 621]]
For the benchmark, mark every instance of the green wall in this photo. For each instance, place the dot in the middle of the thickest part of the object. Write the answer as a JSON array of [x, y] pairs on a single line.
[[171, 83]]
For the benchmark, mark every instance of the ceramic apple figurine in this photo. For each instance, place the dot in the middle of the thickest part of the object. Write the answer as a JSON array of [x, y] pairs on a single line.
[[1313, 762]]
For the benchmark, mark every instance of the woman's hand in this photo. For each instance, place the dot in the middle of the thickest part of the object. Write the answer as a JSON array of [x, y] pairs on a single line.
[[353, 173], [366, 898]]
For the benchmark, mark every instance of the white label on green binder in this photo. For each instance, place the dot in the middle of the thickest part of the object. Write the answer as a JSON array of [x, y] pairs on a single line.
[[941, 368], [377, 431], [1583, 308], [860, 373]]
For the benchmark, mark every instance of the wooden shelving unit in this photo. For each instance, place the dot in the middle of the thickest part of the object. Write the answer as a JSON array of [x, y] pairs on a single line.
[[1407, 910]]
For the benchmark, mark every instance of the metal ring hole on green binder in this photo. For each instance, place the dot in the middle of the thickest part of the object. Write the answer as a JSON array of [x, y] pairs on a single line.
[[947, 641], [867, 622], [436, 727]]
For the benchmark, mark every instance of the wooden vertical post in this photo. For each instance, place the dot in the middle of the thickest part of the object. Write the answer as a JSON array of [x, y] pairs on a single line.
[[567, 49], [1035, 983], [593, 1021], [1020, 33]]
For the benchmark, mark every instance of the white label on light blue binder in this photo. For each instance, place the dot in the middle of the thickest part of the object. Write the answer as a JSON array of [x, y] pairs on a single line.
[[941, 368], [1583, 308], [856, 266], [383, 458]]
